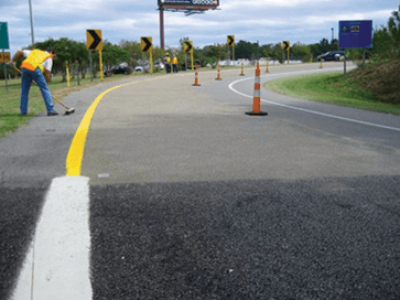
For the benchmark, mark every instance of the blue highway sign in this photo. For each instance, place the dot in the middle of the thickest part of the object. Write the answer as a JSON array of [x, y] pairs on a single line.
[[355, 34]]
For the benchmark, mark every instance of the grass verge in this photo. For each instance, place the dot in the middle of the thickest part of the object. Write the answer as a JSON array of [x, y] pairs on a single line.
[[334, 88]]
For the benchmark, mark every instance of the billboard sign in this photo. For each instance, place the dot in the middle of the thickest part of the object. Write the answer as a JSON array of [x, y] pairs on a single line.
[[355, 34], [188, 3]]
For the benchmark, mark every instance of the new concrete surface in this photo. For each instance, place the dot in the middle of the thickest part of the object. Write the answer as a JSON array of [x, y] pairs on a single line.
[[178, 132]]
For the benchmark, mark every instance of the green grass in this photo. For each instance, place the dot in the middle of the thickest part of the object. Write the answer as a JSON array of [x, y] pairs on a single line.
[[334, 88], [10, 118]]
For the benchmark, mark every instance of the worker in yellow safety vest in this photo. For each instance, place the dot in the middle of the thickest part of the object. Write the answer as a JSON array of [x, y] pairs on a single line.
[[37, 67], [175, 64], [167, 62]]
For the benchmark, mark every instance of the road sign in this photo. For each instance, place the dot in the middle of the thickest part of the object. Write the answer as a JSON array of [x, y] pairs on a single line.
[[188, 47], [93, 40], [355, 34], [286, 45], [146, 44], [4, 43], [231, 40], [5, 57]]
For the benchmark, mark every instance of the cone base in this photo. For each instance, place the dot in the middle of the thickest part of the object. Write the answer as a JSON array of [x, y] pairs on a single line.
[[241, 75], [261, 113], [196, 84], [218, 78]]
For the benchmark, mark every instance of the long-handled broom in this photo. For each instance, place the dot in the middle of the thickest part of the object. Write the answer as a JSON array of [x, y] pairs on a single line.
[[68, 110]]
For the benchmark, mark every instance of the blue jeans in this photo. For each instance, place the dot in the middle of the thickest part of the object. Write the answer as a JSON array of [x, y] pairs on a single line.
[[26, 82]]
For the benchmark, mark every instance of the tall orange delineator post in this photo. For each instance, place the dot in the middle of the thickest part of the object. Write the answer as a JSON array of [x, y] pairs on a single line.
[[267, 70], [242, 70], [219, 73], [257, 96], [196, 77]]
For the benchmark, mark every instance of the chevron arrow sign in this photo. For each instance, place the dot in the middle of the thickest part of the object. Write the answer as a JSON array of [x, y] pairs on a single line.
[[93, 40], [188, 47], [146, 44]]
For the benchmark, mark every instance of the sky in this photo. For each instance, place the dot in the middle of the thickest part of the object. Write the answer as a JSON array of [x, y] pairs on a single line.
[[263, 21]]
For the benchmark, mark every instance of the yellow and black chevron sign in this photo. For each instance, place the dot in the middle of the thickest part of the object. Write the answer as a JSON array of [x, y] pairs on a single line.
[[231, 40], [188, 47], [93, 40], [146, 44], [286, 45]]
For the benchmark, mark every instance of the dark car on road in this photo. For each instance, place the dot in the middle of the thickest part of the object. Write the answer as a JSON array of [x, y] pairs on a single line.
[[120, 69], [330, 56]]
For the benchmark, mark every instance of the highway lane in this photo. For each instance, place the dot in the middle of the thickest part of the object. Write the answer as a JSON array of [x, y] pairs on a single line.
[[178, 132]]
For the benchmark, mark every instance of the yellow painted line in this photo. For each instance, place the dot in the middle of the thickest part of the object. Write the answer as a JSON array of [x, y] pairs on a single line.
[[77, 148]]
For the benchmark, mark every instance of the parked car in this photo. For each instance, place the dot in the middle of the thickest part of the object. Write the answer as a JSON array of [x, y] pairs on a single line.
[[139, 69], [158, 65], [145, 68], [120, 69], [330, 56]]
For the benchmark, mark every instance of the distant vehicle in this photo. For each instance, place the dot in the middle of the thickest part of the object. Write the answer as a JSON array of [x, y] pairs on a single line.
[[189, 65], [144, 68], [158, 65], [330, 55], [120, 69], [139, 69]]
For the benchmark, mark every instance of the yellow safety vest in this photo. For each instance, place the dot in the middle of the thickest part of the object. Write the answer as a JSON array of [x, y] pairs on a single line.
[[174, 61], [35, 60]]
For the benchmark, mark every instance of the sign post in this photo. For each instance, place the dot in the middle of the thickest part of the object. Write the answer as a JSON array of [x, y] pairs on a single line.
[[355, 34], [286, 47], [4, 44], [146, 45], [231, 44], [95, 42]]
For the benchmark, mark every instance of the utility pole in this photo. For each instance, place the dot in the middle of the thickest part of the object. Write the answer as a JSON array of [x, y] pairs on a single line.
[[162, 27], [32, 33]]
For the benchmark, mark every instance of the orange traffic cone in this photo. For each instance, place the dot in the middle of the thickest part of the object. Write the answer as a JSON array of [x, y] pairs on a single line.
[[257, 96], [196, 77], [219, 74], [267, 70], [242, 70]]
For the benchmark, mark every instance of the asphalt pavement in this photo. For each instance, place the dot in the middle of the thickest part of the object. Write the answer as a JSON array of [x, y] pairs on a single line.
[[190, 198]]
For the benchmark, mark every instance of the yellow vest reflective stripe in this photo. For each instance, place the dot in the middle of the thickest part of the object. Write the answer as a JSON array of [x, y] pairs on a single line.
[[35, 60]]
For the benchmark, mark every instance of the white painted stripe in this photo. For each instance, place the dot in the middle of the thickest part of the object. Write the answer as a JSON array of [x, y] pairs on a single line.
[[303, 109], [57, 266]]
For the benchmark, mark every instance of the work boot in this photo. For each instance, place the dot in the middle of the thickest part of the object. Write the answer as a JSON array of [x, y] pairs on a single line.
[[53, 113]]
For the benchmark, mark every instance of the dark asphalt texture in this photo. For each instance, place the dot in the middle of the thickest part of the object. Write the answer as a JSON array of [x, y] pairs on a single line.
[[19, 212], [328, 238]]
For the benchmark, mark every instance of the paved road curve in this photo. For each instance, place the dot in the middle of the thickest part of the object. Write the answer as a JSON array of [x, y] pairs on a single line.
[[192, 199]]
